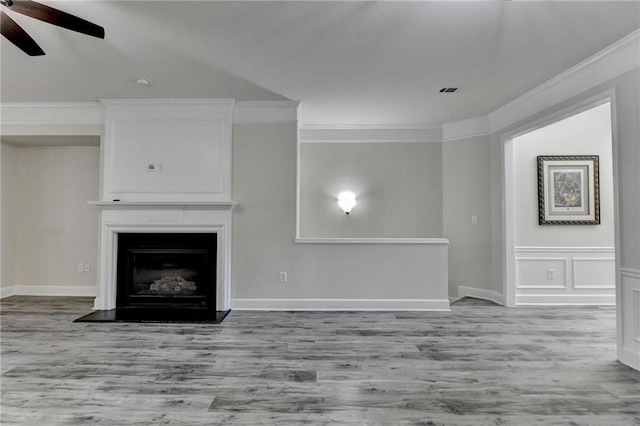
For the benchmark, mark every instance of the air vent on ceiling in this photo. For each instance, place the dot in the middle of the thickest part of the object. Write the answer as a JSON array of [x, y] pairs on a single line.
[[449, 90]]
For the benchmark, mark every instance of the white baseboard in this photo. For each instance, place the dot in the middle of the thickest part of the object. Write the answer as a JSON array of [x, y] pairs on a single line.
[[566, 299], [7, 292], [629, 318], [480, 293], [341, 304], [629, 358], [54, 290]]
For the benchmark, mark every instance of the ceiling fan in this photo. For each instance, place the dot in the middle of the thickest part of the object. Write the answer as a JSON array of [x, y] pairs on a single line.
[[16, 35]]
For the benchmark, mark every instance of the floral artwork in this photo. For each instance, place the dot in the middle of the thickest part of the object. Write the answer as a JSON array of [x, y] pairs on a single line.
[[568, 190]]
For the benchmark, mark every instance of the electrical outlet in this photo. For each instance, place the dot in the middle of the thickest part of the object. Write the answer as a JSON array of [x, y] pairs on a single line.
[[155, 168], [283, 277], [87, 267], [80, 267], [551, 274], [474, 219]]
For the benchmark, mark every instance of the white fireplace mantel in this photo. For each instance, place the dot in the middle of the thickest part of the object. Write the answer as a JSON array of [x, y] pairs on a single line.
[[150, 205], [163, 217]]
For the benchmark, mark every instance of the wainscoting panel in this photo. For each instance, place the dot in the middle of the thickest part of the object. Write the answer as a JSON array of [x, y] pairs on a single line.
[[532, 273], [565, 275], [629, 349], [594, 273]]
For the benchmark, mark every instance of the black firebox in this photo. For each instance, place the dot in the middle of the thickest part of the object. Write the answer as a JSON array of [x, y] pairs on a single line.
[[166, 277]]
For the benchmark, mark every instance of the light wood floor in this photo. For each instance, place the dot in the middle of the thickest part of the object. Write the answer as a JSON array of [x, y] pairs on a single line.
[[480, 364]]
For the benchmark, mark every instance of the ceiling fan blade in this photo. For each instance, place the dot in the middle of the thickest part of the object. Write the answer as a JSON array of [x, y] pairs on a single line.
[[56, 17], [16, 35]]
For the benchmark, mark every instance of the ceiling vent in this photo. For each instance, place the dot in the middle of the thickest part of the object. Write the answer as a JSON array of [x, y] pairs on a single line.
[[449, 89]]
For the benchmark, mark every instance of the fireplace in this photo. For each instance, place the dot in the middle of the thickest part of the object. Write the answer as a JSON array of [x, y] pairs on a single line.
[[166, 276]]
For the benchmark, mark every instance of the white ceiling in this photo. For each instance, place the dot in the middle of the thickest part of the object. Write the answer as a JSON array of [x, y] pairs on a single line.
[[348, 62]]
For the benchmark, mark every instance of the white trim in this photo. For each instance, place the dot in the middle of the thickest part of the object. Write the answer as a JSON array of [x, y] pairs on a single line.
[[341, 304], [51, 113], [151, 204], [509, 271], [527, 249], [88, 117], [630, 273], [636, 309], [463, 129], [271, 112], [610, 62], [55, 290], [7, 291], [566, 299], [480, 293], [321, 133], [425, 241], [171, 101], [221, 225], [628, 313], [629, 358], [606, 96]]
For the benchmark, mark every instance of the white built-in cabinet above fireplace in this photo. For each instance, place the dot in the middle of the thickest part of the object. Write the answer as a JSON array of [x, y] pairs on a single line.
[[167, 150]]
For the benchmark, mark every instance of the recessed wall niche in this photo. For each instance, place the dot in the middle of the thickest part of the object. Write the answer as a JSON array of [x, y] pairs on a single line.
[[398, 186]]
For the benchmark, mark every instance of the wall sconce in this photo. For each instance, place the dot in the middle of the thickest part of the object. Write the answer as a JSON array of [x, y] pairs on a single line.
[[347, 201]]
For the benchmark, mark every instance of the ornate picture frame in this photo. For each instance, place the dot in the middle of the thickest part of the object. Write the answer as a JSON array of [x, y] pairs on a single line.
[[568, 190]]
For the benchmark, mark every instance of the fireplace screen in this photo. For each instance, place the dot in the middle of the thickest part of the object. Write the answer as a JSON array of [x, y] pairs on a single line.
[[166, 269], [177, 273]]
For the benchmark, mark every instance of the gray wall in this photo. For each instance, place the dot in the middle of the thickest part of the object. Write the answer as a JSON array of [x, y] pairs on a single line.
[[53, 226], [264, 220], [398, 188], [264, 188], [467, 193], [9, 179]]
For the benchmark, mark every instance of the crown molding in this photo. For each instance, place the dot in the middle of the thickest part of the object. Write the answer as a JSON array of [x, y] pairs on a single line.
[[51, 113], [247, 112], [170, 101], [326, 133], [614, 60], [463, 129], [609, 63], [88, 117]]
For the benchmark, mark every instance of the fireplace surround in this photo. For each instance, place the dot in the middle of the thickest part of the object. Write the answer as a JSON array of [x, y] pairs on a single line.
[[175, 221], [166, 167]]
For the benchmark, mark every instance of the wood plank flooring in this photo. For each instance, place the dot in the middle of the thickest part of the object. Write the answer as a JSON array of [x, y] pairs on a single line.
[[480, 364]]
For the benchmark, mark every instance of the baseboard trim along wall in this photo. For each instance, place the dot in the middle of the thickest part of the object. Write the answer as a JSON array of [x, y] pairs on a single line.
[[629, 309], [480, 293], [7, 292], [566, 299], [49, 290], [341, 304]]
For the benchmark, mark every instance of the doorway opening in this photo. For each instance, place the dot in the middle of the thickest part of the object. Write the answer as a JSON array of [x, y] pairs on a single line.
[[560, 264]]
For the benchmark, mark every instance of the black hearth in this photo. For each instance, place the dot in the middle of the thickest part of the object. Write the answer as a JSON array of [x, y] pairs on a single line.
[[166, 277]]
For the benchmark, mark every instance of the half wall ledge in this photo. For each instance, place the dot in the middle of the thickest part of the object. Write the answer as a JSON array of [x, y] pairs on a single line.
[[425, 241]]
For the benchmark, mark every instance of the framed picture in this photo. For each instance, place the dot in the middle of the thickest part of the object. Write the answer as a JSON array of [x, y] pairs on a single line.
[[568, 192]]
